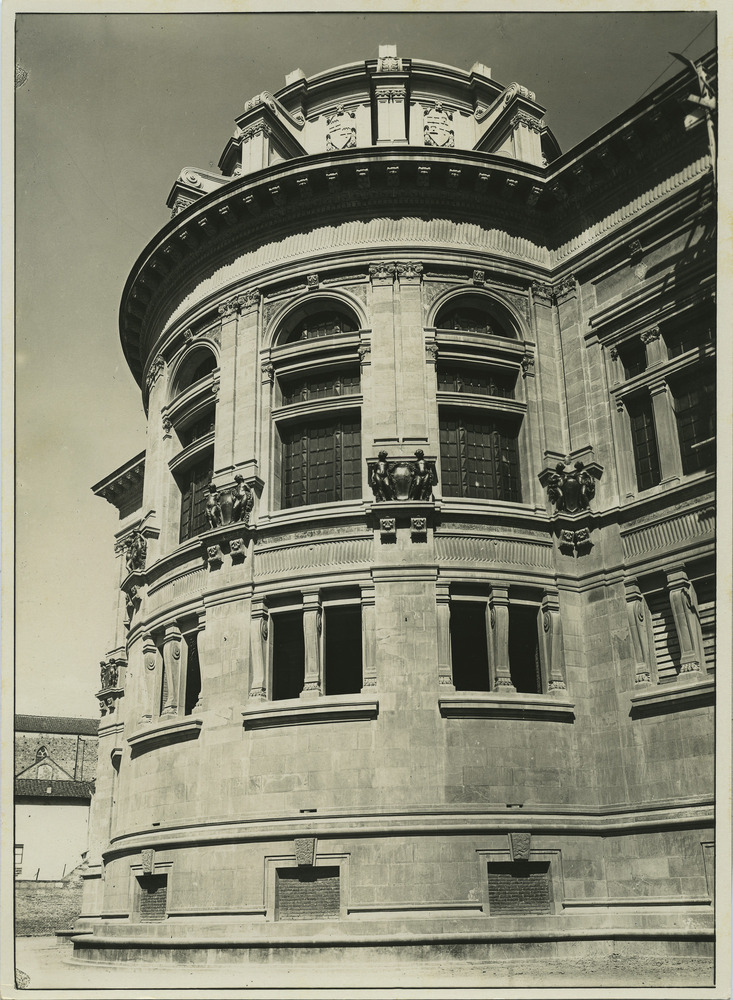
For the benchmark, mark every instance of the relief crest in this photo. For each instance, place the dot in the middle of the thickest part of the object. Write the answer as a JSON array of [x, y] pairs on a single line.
[[438, 127], [340, 129]]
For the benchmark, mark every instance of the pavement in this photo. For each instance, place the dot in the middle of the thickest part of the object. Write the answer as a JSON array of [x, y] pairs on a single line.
[[48, 964]]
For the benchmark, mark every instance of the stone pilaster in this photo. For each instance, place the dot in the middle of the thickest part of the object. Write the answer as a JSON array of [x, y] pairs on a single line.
[[445, 671], [391, 95], [384, 399], [368, 638], [666, 427], [151, 659], [312, 630], [172, 655], [260, 649], [687, 626], [636, 613], [501, 679], [411, 382], [247, 388], [553, 657]]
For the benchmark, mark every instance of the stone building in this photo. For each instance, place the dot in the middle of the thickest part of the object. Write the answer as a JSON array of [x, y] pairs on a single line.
[[55, 764], [414, 618]]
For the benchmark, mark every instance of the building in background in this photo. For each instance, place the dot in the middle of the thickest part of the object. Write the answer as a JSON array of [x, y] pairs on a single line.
[[414, 619], [55, 765]]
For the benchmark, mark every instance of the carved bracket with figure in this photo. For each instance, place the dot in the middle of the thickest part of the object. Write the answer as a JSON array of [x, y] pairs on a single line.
[[570, 489], [112, 680], [403, 479]]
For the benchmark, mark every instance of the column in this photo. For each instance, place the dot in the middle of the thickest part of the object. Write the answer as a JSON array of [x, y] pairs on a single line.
[[552, 645], [501, 680], [411, 375], [655, 351], [151, 659], [368, 638], [445, 670], [312, 630], [172, 670], [636, 612], [687, 625], [247, 388], [259, 640], [384, 399], [666, 427]]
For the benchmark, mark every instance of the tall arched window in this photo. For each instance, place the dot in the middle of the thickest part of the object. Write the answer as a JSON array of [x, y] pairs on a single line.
[[479, 418], [192, 412], [317, 406]]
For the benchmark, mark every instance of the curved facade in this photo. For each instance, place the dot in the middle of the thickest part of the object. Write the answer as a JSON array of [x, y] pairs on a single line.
[[415, 611]]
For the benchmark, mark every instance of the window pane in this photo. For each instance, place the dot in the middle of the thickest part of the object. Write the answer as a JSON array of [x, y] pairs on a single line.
[[321, 461], [694, 404], [342, 650], [482, 381], [468, 645], [470, 319], [644, 441], [288, 655], [479, 457], [193, 482], [322, 324], [295, 390]]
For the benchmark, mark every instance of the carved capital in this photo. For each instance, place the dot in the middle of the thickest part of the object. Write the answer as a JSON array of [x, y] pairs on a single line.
[[382, 272], [525, 119], [542, 291], [408, 270], [155, 371], [649, 335]]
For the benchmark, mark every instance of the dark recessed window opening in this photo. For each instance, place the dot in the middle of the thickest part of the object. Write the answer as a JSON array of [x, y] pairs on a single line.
[[478, 456], [470, 319], [153, 897], [519, 888], [308, 892], [328, 323], [199, 364], [705, 592], [193, 482], [524, 649], [694, 332], [468, 645], [288, 655], [193, 674], [297, 389], [321, 461], [633, 357], [644, 441], [481, 381], [342, 650], [198, 429], [694, 406]]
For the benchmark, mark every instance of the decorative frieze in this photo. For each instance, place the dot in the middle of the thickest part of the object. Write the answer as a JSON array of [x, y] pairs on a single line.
[[667, 530]]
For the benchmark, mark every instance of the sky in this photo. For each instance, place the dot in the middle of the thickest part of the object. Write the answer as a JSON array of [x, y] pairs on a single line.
[[112, 107]]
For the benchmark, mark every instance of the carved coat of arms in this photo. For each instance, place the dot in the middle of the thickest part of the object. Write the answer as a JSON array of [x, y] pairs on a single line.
[[438, 127], [340, 129]]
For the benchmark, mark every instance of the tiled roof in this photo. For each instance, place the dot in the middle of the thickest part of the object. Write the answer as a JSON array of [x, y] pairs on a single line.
[[53, 789], [55, 724]]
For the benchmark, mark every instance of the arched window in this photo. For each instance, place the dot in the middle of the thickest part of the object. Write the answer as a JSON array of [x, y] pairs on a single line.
[[324, 323], [471, 314], [197, 365], [317, 405]]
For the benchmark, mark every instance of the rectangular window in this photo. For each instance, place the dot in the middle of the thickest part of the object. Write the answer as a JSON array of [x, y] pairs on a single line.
[[288, 655], [633, 357], [469, 647], [524, 649], [342, 650], [153, 897], [193, 482], [321, 461], [198, 429], [478, 456], [299, 389], [687, 335], [307, 892], [644, 441], [666, 644], [193, 673], [520, 888], [18, 859], [694, 405], [483, 381]]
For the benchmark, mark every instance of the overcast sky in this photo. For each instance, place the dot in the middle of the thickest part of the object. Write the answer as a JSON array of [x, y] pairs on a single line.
[[112, 107]]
